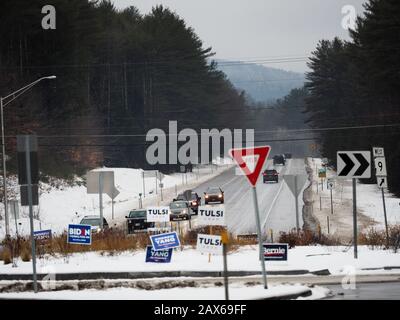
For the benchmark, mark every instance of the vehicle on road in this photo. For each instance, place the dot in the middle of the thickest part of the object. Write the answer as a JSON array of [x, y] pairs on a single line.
[[193, 199], [279, 159], [179, 210], [94, 222], [136, 221], [214, 194], [270, 175], [288, 155]]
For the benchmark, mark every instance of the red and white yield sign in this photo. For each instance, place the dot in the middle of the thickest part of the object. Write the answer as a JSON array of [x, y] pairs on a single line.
[[251, 161]]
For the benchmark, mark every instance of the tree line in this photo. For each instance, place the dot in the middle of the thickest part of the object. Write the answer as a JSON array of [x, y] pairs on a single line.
[[119, 74], [354, 88]]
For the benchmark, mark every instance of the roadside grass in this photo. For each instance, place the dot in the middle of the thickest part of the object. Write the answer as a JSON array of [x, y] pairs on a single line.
[[307, 238], [374, 238], [114, 241]]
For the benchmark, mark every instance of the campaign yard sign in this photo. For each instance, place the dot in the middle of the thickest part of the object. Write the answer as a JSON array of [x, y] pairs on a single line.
[[211, 215], [158, 214], [165, 241], [42, 235], [160, 256], [275, 251], [207, 243], [79, 234]]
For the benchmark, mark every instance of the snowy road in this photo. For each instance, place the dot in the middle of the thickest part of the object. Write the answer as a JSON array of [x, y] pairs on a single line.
[[277, 206]]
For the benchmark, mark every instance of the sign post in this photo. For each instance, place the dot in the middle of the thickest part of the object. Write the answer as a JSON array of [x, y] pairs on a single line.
[[347, 168], [28, 144], [224, 239], [295, 184], [330, 184], [252, 176], [381, 178]]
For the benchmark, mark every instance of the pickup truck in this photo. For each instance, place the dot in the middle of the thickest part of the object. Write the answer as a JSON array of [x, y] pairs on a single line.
[[136, 221]]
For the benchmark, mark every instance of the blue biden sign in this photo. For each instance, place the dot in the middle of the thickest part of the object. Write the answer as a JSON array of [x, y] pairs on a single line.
[[79, 234]]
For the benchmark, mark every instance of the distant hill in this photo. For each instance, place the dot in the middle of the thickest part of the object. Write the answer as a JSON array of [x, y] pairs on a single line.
[[262, 84]]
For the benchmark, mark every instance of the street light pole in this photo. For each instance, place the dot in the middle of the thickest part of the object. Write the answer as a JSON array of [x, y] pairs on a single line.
[[3, 102], [3, 144]]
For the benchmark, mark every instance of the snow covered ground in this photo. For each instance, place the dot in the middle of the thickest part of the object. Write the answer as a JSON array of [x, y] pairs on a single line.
[[236, 292], [369, 204], [338, 260], [64, 204]]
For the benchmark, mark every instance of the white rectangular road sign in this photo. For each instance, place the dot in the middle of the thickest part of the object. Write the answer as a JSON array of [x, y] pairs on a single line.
[[381, 182], [211, 215], [378, 152], [158, 214], [354, 164], [380, 167], [330, 184], [209, 244]]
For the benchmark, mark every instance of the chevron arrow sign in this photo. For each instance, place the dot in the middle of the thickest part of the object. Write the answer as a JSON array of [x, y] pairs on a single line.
[[354, 164]]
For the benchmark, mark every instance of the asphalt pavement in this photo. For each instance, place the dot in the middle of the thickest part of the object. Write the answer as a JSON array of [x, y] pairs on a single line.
[[276, 202]]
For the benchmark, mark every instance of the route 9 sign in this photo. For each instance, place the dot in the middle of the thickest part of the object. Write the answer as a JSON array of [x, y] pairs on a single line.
[[380, 167]]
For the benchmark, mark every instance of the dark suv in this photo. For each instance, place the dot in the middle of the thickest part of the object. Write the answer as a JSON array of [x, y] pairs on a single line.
[[270, 175], [137, 221], [279, 159], [213, 194]]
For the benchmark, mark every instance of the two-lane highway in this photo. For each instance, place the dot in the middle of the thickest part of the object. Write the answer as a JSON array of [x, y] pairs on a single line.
[[276, 202]]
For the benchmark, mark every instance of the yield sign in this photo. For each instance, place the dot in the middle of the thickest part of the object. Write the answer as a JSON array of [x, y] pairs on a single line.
[[258, 154]]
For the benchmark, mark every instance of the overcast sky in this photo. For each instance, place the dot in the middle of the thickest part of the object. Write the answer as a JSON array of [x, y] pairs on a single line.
[[259, 29]]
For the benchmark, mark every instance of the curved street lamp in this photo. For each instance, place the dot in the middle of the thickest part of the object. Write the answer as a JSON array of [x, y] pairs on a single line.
[[4, 101]]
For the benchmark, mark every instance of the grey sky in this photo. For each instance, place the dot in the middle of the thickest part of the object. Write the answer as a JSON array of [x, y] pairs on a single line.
[[259, 29]]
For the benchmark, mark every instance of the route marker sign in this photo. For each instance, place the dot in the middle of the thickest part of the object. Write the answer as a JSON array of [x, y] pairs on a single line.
[[382, 182], [380, 167], [354, 164], [261, 152], [330, 184], [378, 152]]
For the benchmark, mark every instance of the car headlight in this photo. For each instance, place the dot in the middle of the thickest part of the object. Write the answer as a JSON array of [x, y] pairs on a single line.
[[220, 196], [184, 211], [206, 195]]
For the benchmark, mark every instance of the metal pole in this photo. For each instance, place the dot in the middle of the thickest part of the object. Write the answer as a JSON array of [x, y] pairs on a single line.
[[101, 198], [161, 192], [112, 208], [29, 180], [260, 245], [355, 217], [296, 204], [226, 283], [386, 224], [156, 182], [144, 192], [15, 204], [4, 169], [327, 220], [331, 203]]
